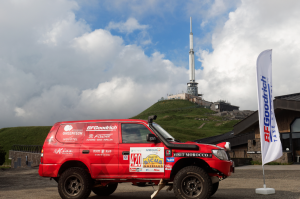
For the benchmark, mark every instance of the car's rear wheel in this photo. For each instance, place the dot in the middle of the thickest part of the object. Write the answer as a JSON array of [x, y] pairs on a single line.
[[105, 190], [74, 183], [192, 182]]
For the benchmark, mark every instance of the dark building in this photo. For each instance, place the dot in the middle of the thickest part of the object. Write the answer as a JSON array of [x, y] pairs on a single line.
[[245, 137], [221, 106]]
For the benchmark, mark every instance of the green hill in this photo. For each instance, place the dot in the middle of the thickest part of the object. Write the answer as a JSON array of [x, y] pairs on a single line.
[[186, 121], [29, 135]]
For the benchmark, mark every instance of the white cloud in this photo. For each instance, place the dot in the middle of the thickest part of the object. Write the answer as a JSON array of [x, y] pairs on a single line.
[[137, 8], [127, 27], [53, 68], [229, 71], [64, 30]]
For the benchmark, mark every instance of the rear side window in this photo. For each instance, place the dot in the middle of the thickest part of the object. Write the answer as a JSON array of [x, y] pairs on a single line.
[[70, 133], [101, 133], [134, 133]]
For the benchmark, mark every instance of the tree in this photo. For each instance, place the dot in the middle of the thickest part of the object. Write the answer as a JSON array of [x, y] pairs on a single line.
[[2, 155]]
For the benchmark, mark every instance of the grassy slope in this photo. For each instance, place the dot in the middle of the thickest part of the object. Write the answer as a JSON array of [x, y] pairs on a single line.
[[182, 125], [34, 135]]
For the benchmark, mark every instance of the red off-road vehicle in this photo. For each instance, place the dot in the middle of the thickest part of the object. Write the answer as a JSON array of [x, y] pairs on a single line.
[[96, 155]]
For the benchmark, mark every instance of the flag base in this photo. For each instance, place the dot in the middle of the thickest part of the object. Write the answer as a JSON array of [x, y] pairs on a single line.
[[265, 190]]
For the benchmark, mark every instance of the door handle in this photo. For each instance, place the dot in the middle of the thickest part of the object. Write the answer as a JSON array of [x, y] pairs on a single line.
[[125, 152], [85, 151]]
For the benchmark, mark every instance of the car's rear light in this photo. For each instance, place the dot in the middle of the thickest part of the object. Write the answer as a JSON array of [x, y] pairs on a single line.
[[42, 156]]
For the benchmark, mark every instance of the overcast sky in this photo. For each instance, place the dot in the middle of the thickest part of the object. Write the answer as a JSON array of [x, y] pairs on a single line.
[[71, 60]]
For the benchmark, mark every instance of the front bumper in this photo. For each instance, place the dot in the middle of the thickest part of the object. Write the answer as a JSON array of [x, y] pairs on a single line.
[[226, 167]]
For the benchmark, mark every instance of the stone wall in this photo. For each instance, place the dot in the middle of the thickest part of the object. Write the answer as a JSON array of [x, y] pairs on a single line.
[[18, 159], [255, 146], [241, 161]]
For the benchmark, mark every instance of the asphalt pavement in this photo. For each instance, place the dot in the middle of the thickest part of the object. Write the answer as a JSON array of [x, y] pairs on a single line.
[[27, 184]]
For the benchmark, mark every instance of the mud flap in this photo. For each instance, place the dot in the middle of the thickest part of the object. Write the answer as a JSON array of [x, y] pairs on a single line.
[[161, 185]]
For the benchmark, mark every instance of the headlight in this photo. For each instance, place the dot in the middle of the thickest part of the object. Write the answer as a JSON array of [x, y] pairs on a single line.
[[221, 154]]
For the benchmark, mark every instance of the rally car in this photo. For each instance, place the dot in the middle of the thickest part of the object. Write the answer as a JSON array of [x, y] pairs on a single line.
[[96, 155]]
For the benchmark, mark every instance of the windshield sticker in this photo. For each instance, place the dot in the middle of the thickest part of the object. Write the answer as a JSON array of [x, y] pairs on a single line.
[[146, 159], [202, 155]]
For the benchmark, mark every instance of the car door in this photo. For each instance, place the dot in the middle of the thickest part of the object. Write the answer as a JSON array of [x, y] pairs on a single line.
[[137, 157], [99, 149]]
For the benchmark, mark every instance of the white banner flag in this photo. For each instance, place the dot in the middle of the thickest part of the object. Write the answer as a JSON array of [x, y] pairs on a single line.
[[271, 148]]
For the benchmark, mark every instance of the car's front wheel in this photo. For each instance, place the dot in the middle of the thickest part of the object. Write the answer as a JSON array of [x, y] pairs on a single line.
[[192, 182], [74, 183]]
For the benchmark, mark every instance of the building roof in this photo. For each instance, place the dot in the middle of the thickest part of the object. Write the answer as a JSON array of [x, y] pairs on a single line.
[[287, 102], [225, 104], [216, 138], [295, 96], [234, 140]]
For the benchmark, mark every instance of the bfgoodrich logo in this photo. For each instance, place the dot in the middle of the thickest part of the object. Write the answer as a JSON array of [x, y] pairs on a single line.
[[68, 128], [101, 128]]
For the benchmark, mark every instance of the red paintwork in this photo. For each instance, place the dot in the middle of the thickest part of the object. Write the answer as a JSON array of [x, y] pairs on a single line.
[[68, 140], [222, 145]]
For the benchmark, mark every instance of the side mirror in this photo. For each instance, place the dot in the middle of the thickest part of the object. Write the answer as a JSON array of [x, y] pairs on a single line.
[[151, 138]]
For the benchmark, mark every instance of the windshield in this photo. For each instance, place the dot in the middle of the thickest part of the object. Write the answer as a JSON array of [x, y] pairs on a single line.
[[163, 132]]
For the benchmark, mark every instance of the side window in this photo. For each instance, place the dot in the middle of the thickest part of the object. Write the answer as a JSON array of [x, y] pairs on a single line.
[[134, 133]]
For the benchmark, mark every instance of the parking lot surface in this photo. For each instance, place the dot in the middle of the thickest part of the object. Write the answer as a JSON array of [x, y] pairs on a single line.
[[26, 183]]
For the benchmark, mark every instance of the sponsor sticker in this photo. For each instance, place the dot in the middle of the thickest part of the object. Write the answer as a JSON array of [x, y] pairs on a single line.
[[102, 152], [102, 128], [168, 167], [135, 160], [99, 137], [70, 139], [72, 133], [132, 169], [63, 151], [168, 152], [170, 159], [68, 128], [153, 161], [202, 155], [146, 159], [125, 157]]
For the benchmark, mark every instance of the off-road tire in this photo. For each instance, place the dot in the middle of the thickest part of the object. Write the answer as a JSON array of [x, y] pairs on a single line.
[[105, 190], [192, 182], [75, 183], [215, 187]]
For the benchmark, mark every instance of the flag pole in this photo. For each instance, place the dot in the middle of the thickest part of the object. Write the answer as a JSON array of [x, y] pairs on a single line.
[[264, 177], [271, 148]]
